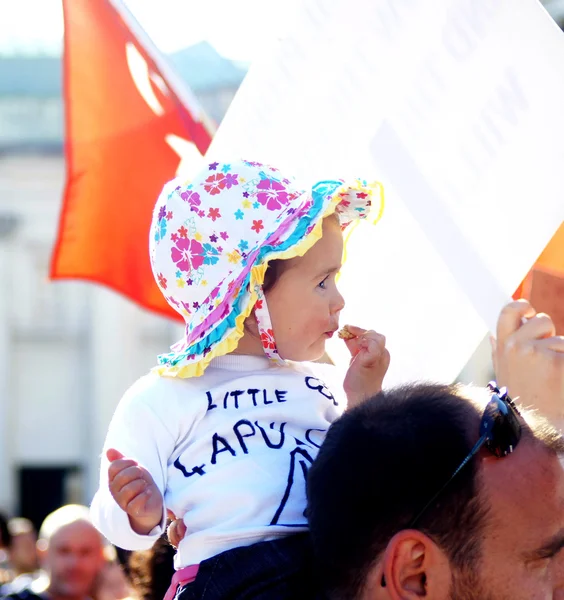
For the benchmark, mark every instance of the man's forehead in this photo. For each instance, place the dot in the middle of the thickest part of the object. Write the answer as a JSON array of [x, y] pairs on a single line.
[[524, 493], [77, 531]]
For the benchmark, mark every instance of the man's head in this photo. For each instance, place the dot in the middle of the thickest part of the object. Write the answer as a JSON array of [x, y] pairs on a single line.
[[493, 534], [71, 551], [23, 546]]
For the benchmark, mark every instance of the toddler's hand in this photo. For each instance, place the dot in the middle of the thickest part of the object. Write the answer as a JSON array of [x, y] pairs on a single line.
[[135, 491], [369, 363], [176, 530]]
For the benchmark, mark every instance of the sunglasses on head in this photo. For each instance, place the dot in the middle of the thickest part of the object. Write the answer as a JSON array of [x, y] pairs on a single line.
[[500, 432]]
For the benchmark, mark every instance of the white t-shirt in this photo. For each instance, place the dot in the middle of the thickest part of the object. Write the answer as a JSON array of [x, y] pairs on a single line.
[[229, 451]]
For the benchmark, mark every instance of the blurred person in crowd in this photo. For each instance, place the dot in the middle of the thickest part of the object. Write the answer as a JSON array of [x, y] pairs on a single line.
[[151, 570], [112, 582], [22, 556], [5, 573], [71, 553]]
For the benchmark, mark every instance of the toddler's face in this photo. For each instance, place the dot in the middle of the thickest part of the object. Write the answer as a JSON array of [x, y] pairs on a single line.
[[304, 303]]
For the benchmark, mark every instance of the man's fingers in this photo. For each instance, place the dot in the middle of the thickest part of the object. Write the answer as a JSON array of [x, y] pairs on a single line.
[[511, 318], [538, 327], [554, 343]]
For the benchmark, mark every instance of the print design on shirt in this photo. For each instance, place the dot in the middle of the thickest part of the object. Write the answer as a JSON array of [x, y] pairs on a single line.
[[244, 435], [316, 384], [300, 461]]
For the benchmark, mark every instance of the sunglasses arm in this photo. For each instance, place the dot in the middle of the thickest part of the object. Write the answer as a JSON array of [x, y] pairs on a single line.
[[472, 453]]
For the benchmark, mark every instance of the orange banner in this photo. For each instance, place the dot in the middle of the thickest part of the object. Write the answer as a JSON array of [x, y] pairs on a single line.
[[128, 127]]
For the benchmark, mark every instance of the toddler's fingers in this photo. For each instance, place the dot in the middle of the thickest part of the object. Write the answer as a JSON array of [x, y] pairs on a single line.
[[122, 475], [176, 532], [130, 491], [376, 337], [137, 505], [113, 454], [376, 353], [354, 330]]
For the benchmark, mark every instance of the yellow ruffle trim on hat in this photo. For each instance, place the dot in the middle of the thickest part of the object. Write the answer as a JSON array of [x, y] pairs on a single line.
[[230, 343]]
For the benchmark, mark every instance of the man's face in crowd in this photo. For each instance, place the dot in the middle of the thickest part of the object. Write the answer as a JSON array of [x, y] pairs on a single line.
[[521, 543], [23, 552], [522, 547], [73, 559]]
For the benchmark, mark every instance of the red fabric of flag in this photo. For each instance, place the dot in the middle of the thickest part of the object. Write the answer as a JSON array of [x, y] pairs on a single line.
[[544, 284], [129, 124]]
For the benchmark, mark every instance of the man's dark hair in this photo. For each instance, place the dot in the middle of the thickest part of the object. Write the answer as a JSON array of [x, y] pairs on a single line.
[[378, 467]]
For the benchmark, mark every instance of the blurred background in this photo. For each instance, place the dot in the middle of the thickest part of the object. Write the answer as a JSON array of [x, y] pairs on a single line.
[[68, 350]]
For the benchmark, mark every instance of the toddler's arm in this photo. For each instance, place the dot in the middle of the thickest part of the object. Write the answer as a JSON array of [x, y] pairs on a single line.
[[370, 360], [140, 434]]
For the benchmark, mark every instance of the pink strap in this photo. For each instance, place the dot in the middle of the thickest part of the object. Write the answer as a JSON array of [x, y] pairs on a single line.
[[180, 578], [265, 328]]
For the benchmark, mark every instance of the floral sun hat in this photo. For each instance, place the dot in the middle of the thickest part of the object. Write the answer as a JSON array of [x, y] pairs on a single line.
[[212, 238]]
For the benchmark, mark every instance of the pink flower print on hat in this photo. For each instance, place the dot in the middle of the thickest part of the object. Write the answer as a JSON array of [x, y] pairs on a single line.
[[272, 194], [193, 198], [187, 254], [214, 184]]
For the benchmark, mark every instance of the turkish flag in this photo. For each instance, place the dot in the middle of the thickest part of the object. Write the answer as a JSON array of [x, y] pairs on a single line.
[[552, 258], [130, 125], [544, 284]]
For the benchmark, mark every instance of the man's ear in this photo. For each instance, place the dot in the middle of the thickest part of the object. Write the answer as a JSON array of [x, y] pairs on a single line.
[[412, 567]]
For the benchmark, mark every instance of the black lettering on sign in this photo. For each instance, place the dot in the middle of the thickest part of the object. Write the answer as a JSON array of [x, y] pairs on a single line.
[[308, 436], [280, 395], [198, 470], [318, 385], [264, 398], [236, 394], [254, 395], [217, 439], [267, 440], [241, 436], [210, 401], [225, 399]]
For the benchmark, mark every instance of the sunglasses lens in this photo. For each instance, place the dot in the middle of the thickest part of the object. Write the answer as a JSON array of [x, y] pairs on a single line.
[[501, 424]]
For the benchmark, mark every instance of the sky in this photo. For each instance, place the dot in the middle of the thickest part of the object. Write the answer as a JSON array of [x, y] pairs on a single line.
[[236, 28]]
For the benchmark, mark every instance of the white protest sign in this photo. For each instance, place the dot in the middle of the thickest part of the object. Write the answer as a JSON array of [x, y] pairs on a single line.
[[456, 107]]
